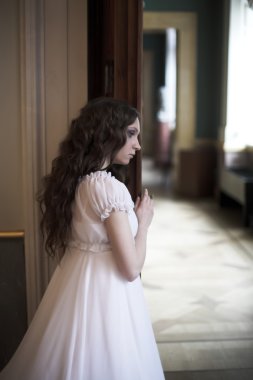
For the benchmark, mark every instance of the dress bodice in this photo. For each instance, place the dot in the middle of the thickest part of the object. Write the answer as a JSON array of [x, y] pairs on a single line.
[[97, 195]]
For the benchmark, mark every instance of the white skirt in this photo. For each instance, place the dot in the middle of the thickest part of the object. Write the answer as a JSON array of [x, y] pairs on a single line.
[[90, 325]]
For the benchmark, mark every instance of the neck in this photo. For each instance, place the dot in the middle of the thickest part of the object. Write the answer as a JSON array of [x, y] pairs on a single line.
[[105, 165]]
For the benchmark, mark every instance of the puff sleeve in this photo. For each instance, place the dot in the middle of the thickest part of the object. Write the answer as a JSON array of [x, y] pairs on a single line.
[[107, 194]]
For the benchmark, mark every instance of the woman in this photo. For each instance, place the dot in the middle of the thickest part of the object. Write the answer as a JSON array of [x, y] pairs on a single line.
[[92, 323]]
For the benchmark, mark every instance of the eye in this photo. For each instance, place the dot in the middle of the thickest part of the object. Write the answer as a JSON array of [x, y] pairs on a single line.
[[130, 133]]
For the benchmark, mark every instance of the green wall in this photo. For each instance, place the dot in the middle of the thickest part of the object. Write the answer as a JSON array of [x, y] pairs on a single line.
[[209, 58]]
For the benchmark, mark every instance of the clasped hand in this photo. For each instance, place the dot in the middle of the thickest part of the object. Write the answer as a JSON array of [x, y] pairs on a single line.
[[144, 209]]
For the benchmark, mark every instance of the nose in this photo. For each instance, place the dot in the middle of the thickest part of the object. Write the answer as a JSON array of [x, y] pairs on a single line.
[[137, 145]]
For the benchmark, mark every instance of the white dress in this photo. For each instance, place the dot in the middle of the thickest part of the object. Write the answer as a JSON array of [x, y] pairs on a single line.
[[91, 324]]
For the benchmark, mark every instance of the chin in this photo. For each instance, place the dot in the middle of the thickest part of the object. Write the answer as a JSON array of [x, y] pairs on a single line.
[[122, 162]]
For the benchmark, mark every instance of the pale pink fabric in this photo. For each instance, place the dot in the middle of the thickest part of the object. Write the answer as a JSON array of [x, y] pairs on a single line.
[[92, 324]]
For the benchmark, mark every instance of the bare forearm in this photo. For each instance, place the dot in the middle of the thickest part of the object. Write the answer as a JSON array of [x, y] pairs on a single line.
[[140, 246], [129, 253], [144, 211]]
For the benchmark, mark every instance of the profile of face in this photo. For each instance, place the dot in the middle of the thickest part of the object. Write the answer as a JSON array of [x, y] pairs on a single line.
[[127, 152]]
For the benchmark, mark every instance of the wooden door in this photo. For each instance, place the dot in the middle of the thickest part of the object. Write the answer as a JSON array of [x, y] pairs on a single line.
[[115, 60]]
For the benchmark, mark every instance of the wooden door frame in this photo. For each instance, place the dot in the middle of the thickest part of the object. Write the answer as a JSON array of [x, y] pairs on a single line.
[[115, 60]]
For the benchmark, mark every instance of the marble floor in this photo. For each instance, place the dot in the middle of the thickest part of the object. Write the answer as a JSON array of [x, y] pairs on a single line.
[[198, 282]]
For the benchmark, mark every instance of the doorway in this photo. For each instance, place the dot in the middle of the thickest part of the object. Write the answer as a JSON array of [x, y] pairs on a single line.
[[186, 25]]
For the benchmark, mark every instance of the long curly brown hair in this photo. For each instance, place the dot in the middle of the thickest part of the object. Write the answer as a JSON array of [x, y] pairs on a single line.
[[93, 138]]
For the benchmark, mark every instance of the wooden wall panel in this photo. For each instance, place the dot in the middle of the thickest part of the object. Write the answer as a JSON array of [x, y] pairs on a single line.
[[11, 211], [13, 316], [54, 88], [77, 57], [55, 75]]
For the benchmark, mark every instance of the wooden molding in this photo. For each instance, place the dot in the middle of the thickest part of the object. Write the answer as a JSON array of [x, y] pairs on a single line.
[[30, 125], [11, 234]]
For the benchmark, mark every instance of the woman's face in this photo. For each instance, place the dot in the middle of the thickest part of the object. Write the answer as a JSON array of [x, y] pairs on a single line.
[[128, 150]]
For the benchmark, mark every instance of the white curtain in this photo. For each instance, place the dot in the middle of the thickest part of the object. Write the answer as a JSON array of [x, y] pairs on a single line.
[[239, 128], [168, 93]]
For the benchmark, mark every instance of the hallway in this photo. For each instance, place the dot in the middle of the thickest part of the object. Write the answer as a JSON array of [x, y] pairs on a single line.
[[198, 282]]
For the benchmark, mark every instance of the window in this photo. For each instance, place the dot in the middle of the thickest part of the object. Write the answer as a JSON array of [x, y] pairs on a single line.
[[239, 129]]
